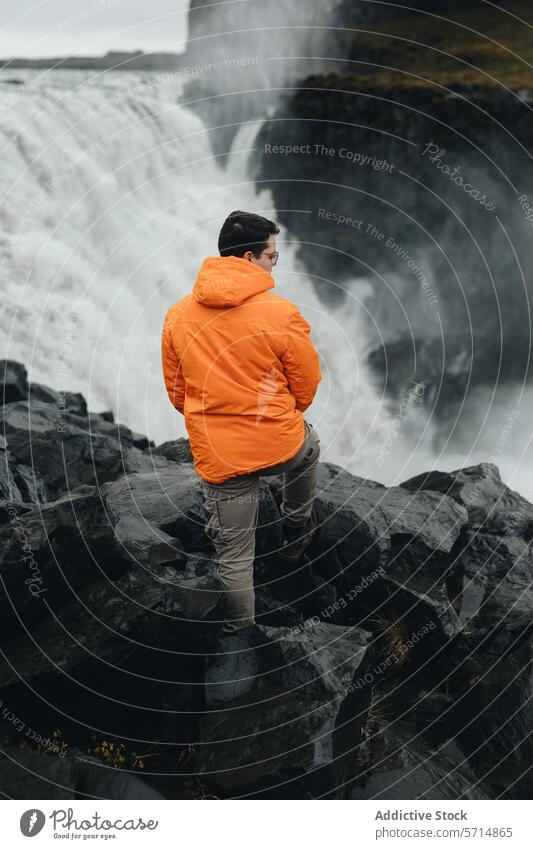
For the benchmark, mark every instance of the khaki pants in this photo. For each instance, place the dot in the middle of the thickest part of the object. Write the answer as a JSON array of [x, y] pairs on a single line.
[[233, 508]]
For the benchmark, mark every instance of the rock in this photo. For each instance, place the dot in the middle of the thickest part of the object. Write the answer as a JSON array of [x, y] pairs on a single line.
[[170, 499], [56, 550], [365, 528], [494, 581], [27, 774], [370, 525], [151, 519], [293, 590], [97, 781], [14, 379], [487, 669], [52, 552], [410, 747], [9, 491], [140, 441], [132, 643], [269, 611], [285, 724], [489, 578], [111, 601], [491, 684], [491, 504], [20, 488], [6, 510], [419, 596], [398, 762], [67, 450], [30, 484]]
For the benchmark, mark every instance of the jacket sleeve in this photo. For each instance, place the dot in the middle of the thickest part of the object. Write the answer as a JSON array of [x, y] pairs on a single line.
[[172, 371], [300, 361]]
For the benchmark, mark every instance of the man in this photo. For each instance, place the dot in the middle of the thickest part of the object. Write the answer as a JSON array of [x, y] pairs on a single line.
[[239, 364]]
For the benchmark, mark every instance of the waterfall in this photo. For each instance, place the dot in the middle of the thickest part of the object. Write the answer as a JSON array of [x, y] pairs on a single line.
[[111, 200]]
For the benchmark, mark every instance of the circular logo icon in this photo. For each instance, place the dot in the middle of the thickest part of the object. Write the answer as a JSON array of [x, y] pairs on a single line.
[[31, 822]]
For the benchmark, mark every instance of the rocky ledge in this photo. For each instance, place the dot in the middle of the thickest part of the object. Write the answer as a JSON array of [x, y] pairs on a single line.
[[405, 674]]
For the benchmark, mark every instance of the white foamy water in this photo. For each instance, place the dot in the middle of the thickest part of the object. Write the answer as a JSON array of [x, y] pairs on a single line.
[[111, 199]]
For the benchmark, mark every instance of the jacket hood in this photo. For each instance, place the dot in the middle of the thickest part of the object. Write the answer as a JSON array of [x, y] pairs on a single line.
[[227, 281]]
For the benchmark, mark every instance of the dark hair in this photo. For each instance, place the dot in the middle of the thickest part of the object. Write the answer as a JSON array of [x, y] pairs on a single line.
[[245, 231]]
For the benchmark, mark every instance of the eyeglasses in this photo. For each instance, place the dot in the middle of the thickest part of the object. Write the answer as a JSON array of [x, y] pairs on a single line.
[[274, 257]]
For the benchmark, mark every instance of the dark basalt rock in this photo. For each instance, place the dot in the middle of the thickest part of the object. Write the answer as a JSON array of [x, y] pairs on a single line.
[[410, 741], [90, 535], [494, 578], [118, 649], [398, 763], [14, 378], [490, 586], [26, 774], [170, 499], [490, 577], [402, 670], [283, 728], [30, 485], [140, 441], [161, 610], [20, 488], [497, 706], [371, 525], [299, 587], [177, 450], [53, 551], [367, 529], [9, 491], [72, 401], [67, 450], [478, 488]]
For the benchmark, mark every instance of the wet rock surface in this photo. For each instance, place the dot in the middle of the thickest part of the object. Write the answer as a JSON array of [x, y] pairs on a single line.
[[395, 656], [283, 728], [34, 775]]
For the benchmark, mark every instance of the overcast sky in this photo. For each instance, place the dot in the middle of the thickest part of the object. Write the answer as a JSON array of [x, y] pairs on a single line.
[[74, 27]]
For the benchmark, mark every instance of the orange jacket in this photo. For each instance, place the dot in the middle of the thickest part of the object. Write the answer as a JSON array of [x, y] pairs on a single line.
[[239, 363]]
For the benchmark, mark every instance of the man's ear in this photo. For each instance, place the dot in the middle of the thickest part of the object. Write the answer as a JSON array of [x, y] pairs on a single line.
[[248, 255]]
